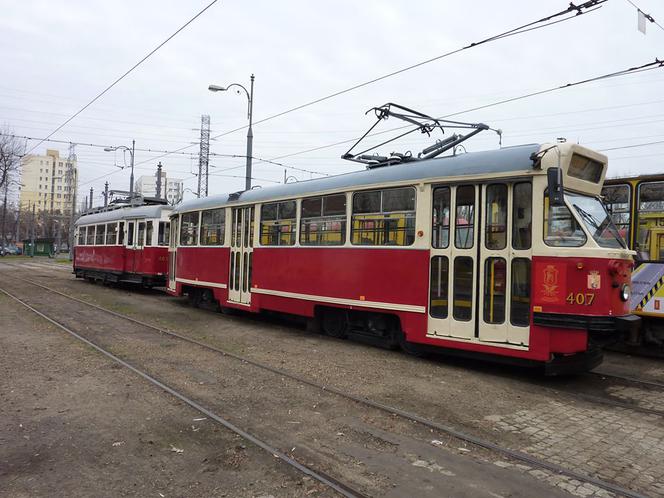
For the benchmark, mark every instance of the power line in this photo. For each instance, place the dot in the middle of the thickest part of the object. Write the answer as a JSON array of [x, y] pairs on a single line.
[[632, 146], [647, 16], [637, 69], [126, 73], [574, 10]]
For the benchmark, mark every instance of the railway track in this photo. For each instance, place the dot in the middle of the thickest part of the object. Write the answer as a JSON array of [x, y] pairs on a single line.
[[345, 490]]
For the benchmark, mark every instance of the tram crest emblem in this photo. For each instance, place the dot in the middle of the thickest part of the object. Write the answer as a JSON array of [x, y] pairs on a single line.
[[550, 283]]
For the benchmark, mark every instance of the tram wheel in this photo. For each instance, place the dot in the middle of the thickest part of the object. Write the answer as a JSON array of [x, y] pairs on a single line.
[[335, 323], [409, 347]]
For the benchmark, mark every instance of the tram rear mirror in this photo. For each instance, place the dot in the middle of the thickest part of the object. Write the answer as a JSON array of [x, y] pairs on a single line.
[[555, 183]]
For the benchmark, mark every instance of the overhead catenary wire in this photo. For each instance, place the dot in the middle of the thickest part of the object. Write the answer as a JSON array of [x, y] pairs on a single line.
[[646, 15], [571, 12], [68, 120]]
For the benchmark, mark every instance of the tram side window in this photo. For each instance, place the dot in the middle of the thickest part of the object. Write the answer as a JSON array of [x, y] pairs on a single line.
[[462, 308], [617, 200], [101, 234], [522, 216], [651, 217], [278, 226], [163, 233], [438, 296], [495, 277], [140, 234], [121, 233], [496, 218], [81, 236], [189, 229], [111, 234], [464, 222], [520, 295], [561, 228], [148, 233], [212, 227], [323, 221], [130, 233], [384, 217], [90, 239], [440, 238], [173, 240]]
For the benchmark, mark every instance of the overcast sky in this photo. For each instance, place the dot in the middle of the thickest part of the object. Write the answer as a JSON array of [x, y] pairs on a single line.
[[58, 55]]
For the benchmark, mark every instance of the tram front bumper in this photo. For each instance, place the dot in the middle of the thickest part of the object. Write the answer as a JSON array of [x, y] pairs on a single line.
[[593, 324]]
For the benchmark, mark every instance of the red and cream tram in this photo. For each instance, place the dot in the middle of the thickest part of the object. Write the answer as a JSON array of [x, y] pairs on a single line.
[[123, 244], [464, 253]]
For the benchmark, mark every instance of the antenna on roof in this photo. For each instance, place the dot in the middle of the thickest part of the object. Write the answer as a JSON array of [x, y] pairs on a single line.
[[424, 124]]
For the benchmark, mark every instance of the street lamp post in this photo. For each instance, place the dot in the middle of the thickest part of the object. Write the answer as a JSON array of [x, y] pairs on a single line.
[[250, 133], [131, 153]]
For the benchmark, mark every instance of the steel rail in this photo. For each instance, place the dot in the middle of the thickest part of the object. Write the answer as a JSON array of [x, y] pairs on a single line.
[[477, 441], [332, 483], [633, 380]]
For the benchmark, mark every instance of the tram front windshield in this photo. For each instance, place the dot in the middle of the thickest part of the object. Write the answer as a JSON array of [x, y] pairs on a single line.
[[596, 219]]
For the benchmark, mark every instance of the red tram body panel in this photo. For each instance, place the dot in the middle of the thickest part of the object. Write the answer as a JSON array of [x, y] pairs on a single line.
[[464, 254], [123, 244]]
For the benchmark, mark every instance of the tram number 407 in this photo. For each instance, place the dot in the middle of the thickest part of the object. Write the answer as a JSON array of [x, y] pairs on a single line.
[[580, 298]]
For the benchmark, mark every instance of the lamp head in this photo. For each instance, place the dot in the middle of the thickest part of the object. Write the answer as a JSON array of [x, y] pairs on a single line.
[[216, 88]]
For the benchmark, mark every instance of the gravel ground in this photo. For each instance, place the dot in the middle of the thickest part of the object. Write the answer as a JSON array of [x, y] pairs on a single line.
[[503, 405]]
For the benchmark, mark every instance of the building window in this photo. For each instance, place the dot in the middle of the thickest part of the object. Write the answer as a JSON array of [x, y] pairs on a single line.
[[323, 220], [278, 224], [384, 217]]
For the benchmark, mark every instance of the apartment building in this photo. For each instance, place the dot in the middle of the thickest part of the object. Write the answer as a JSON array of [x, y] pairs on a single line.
[[48, 182], [171, 188]]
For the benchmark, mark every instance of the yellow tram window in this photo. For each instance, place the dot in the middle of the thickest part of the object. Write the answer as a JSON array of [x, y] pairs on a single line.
[[384, 217], [495, 228], [323, 220], [462, 308], [278, 226], [495, 276], [440, 236], [522, 216], [520, 292], [438, 296], [650, 215], [464, 221], [213, 227]]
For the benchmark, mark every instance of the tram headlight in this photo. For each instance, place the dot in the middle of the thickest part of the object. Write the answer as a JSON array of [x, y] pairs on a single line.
[[625, 292]]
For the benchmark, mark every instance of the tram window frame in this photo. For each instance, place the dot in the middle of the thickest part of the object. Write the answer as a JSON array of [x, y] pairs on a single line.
[[213, 227], [495, 232], [121, 233], [140, 233], [440, 229], [90, 237], [439, 287], [492, 293], [164, 233], [189, 228], [149, 231], [522, 217], [82, 234], [278, 226], [519, 311], [131, 227], [568, 238], [320, 223], [100, 235], [458, 287], [470, 215], [373, 211], [620, 211], [111, 233]]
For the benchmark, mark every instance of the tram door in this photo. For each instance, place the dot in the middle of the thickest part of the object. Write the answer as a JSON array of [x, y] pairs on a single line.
[[479, 284], [505, 256], [453, 262], [242, 243], [172, 251], [130, 241]]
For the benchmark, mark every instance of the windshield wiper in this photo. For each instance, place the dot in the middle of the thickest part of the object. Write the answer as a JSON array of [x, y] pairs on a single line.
[[587, 216]]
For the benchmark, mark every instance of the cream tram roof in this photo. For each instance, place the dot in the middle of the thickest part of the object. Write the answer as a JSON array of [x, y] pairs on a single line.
[[124, 213], [509, 159]]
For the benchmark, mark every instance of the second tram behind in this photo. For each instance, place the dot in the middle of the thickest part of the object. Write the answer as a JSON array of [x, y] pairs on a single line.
[[467, 254]]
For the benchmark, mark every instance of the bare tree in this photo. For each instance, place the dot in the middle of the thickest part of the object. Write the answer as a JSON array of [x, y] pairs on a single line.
[[11, 151]]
